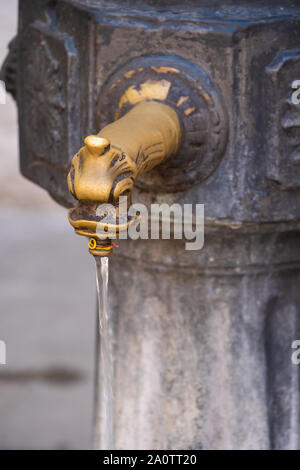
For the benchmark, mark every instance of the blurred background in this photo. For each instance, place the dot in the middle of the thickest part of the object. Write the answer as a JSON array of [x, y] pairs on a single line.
[[47, 304]]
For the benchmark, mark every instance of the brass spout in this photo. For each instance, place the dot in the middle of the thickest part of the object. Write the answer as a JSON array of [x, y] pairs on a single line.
[[109, 163]]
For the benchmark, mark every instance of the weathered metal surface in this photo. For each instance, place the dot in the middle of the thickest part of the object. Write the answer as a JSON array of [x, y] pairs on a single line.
[[251, 181], [50, 104], [106, 167], [163, 113], [199, 105], [202, 339], [283, 132]]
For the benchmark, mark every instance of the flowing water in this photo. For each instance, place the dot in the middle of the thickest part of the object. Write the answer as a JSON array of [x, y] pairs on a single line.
[[104, 426]]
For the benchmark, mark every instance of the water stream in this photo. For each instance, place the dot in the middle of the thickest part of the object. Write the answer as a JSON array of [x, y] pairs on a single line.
[[104, 425]]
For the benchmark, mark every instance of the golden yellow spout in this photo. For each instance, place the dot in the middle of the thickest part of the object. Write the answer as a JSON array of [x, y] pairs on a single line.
[[109, 163]]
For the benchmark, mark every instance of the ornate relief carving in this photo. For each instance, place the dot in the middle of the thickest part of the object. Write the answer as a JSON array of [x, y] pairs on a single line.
[[50, 94], [196, 99], [45, 102], [283, 120]]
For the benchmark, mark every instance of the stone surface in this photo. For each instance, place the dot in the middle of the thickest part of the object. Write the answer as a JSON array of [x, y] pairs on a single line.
[[203, 343]]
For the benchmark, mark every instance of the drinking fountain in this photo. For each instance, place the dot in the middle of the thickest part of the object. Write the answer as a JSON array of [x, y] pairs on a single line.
[[165, 111], [179, 103]]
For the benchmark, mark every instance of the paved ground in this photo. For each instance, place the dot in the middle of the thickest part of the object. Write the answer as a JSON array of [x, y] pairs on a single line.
[[47, 306]]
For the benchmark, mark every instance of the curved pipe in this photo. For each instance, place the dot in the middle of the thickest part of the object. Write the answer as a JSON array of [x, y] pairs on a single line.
[[109, 163]]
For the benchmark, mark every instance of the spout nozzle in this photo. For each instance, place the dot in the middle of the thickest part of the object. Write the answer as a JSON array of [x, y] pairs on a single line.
[[96, 145], [100, 247]]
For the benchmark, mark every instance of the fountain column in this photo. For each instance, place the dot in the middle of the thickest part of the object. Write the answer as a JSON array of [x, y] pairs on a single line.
[[202, 342]]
